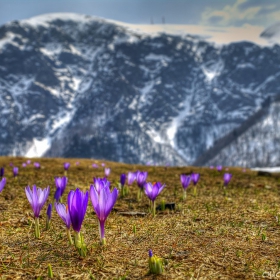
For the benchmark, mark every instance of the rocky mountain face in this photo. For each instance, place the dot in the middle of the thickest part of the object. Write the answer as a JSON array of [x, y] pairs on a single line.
[[78, 86]]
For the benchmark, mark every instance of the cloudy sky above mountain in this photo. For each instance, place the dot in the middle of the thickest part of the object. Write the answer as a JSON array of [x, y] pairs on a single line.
[[225, 13]]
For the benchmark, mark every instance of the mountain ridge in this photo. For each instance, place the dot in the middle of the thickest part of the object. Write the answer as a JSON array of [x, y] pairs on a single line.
[[96, 89]]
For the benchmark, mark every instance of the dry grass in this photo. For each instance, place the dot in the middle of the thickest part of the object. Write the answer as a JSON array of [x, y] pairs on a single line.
[[210, 236]]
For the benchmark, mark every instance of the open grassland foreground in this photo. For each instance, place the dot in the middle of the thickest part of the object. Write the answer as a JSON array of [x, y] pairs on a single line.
[[213, 234]]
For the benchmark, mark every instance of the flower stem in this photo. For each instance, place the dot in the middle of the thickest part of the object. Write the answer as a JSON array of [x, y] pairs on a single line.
[[79, 244], [184, 194], [101, 226], [122, 191], [37, 229], [69, 237], [154, 208]]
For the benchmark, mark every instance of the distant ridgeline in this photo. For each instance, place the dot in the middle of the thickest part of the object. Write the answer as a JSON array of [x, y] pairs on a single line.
[[79, 86]]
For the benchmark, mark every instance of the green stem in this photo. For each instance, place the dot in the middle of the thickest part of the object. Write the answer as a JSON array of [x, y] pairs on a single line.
[[69, 237], [184, 194], [154, 208], [79, 244], [122, 191], [37, 229]]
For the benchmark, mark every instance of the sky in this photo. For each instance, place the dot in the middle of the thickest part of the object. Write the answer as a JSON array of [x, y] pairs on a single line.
[[217, 13]]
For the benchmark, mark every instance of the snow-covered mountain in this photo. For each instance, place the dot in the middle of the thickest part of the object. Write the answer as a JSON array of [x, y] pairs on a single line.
[[257, 146], [79, 86]]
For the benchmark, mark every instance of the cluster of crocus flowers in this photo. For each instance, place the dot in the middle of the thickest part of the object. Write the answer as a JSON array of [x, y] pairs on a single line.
[[185, 181], [155, 264], [77, 206], [152, 191], [227, 178], [37, 198], [103, 201], [60, 184], [2, 184]]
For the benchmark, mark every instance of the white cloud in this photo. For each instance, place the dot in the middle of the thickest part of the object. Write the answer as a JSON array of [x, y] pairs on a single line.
[[240, 13]]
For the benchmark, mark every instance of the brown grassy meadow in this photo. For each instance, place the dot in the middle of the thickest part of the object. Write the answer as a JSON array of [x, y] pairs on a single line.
[[213, 235]]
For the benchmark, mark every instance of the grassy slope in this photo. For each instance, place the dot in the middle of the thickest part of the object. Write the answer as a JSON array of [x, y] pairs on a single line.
[[211, 236]]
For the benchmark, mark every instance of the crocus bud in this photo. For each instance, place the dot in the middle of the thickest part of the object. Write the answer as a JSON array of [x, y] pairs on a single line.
[[227, 177], [57, 194], [122, 179], [2, 170], [15, 171], [107, 172], [49, 215], [131, 177], [66, 165], [2, 184], [155, 264], [195, 178]]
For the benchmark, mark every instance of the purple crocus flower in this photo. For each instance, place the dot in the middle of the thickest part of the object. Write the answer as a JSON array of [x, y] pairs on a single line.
[[49, 215], [211, 167], [49, 211], [94, 165], [77, 203], [28, 161], [63, 213], [37, 199], [103, 202], [122, 179], [185, 180], [61, 183], [102, 164], [24, 165], [195, 177], [57, 194], [66, 165], [2, 171], [37, 165], [2, 184], [15, 171], [150, 253], [100, 183], [152, 191], [77, 163], [141, 178], [11, 164], [227, 177], [219, 168], [131, 177], [107, 171]]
